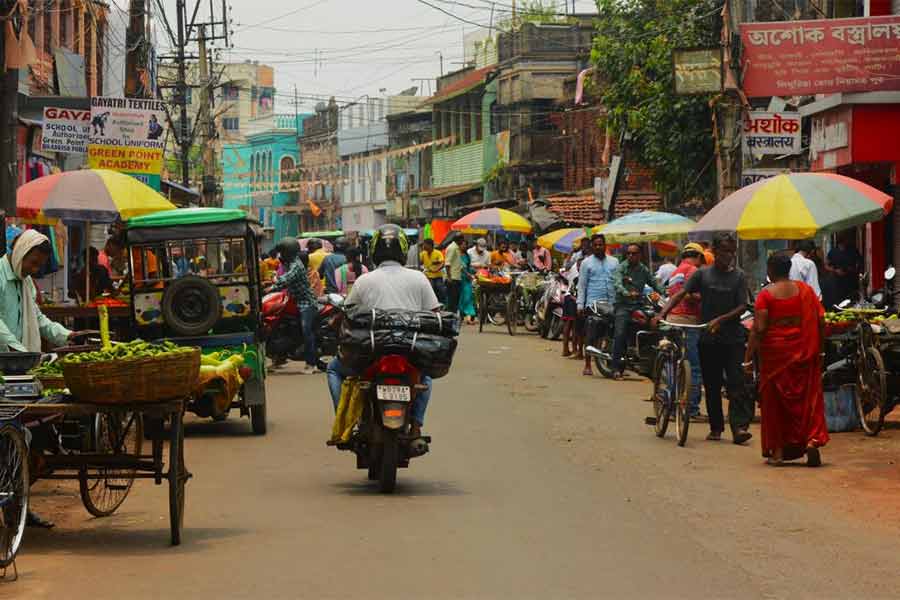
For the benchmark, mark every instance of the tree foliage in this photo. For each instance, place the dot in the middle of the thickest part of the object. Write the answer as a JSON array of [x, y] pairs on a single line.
[[633, 57]]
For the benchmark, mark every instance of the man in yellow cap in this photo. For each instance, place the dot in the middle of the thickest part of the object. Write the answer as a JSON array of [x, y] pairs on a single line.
[[688, 313]]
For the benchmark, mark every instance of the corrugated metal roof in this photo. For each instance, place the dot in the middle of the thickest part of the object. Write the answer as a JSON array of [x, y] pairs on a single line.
[[461, 86]]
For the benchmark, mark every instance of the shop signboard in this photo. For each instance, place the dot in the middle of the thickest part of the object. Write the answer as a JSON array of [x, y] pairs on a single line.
[[128, 135], [829, 141], [66, 130], [771, 133], [697, 70], [791, 58], [750, 176]]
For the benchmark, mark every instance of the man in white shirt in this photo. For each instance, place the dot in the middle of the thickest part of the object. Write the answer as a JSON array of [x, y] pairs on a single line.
[[391, 286], [480, 257], [803, 269]]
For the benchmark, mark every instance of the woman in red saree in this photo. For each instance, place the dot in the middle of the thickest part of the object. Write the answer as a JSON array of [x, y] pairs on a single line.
[[787, 338]]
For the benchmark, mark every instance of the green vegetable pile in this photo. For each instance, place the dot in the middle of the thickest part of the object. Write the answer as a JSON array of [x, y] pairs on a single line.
[[131, 350], [53, 369]]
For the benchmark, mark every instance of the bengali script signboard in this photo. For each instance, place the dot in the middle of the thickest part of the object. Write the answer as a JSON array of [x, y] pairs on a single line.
[[793, 58], [771, 133], [697, 70]]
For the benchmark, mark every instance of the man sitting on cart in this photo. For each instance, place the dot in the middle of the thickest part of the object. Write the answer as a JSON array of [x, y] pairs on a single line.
[[22, 324]]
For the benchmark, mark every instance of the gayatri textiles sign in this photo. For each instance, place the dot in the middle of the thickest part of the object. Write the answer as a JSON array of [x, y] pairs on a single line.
[[771, 133], [128, 135], [793, 58]]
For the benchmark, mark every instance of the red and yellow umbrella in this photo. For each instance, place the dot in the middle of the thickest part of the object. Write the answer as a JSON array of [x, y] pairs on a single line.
[[796, 206], [493, 219], [89, 195]]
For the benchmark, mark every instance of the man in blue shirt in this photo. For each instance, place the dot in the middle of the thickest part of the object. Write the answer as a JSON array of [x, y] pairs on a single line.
[[595, 284]]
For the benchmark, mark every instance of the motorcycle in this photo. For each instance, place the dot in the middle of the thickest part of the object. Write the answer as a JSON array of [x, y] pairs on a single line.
[[530, 289], [282, 333], [642, 338], [549, 308], [382, 441]]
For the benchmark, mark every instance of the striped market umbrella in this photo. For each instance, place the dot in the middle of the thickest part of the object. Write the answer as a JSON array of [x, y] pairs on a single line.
[[562, 240], [795, 206], [493, 219], [89, 195], [646, 226]]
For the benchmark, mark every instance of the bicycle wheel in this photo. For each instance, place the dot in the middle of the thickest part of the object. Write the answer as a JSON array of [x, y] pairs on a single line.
[[682, 401], [104, 490], [14, 482], [663, 379], [871, 392], [512, 311], [482, 312]]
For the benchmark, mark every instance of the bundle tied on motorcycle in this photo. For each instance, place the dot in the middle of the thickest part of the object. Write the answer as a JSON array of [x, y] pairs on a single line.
[[426, 339]]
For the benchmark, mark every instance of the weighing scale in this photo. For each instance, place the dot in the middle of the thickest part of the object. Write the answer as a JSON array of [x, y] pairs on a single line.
[[21, 387]]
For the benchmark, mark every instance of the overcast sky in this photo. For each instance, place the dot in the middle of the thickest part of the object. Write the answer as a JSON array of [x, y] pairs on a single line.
[[348, 48]]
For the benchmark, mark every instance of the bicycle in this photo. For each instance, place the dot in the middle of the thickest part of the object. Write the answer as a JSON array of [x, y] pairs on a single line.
[[14, 483], [671, 377]]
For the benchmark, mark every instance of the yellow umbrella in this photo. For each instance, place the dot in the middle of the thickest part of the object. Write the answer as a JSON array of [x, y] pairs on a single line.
[[562, 240]]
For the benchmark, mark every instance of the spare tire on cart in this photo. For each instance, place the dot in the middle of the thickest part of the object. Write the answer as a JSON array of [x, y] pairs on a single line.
[[191, 306]]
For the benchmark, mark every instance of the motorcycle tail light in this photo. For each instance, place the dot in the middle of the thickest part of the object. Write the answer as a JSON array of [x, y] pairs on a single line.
[[394, 365], [245, 372], [639, 316]]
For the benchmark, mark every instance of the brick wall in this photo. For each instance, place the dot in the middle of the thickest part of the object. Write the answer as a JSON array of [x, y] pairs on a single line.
[[583, 143]]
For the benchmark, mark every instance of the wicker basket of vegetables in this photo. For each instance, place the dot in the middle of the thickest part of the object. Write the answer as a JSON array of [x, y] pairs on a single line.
[[50, 375], [134, 373]]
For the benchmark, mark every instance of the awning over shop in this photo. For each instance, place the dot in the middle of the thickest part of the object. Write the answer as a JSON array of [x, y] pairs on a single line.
[[448, 191]]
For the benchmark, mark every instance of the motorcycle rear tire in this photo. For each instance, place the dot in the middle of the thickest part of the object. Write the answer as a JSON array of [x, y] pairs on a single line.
[[390, 458], [555, 328]]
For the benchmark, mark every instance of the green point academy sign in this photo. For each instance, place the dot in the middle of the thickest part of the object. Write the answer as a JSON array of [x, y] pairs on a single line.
[[128, 135]]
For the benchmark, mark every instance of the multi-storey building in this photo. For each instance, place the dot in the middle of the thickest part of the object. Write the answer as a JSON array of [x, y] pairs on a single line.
[[261, 175], [409, 158], [320, 171]]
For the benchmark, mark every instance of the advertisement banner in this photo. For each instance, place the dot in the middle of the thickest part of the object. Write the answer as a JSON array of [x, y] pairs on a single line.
[[128, 135], [794, 58], [771, 133], [66, 130]]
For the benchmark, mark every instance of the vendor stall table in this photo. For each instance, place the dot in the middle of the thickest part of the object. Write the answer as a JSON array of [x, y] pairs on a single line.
[[113, 459]]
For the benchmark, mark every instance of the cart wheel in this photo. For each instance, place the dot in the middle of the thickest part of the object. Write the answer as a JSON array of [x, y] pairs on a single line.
[[871, 396], [258, 419], [177, 478], [14, 482], [104, 490], [512, 311]]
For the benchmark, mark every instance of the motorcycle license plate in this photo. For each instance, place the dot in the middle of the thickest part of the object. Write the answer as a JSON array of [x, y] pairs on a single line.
[[394, 393]]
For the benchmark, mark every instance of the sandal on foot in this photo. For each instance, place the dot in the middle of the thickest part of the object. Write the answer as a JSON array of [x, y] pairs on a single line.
[[588, 372], [813, 457], [714, 436]]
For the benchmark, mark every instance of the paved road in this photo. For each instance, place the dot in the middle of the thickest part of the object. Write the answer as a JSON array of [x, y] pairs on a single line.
[[541, 484]]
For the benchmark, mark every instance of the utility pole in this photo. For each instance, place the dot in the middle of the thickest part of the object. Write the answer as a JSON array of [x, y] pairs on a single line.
[[186, 32], [9, 121], [136, 55], [181, 99], [205, 125]]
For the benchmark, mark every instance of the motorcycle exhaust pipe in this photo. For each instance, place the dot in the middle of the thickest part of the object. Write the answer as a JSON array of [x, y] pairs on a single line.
[[598, 353]]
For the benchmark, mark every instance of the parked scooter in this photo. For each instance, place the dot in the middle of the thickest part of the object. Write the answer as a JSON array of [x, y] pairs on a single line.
[[282, 331], [549, 308]]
